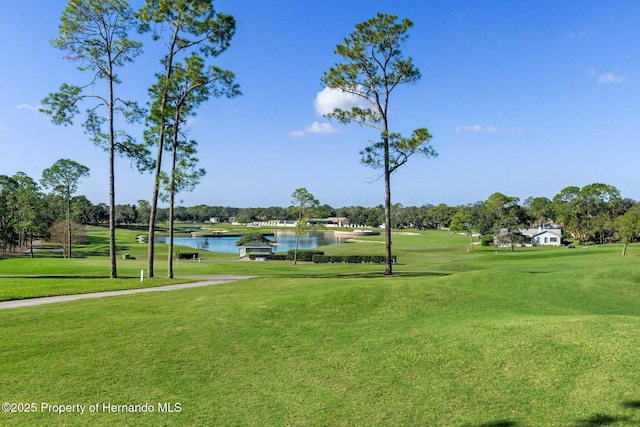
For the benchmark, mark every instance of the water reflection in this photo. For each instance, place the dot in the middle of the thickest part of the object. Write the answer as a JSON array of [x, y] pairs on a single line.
[[284, 240]]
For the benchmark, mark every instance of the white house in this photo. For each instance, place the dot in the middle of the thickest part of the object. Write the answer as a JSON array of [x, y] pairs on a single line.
[[547, 235]]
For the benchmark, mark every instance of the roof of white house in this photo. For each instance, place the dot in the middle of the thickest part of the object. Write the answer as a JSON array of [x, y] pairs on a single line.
[[255, 245], [531, 232]]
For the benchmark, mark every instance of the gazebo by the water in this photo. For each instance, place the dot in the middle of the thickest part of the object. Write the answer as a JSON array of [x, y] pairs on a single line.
[[255, 248]]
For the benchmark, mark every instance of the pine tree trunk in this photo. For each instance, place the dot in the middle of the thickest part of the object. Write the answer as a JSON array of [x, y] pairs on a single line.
[[113, 273], [69, 223], [387, 207], [154, 209], [172, 193]]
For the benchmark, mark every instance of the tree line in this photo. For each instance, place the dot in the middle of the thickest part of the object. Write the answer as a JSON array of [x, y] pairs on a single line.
[[96, 35], [594, 214]]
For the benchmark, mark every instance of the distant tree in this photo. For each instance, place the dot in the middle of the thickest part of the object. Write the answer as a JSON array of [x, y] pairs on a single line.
[[483, 220], [598, 205], [303, 205], [58, 233], [508, 227], [29, 202], [81, 209], [628, 227], [538, 209], [441, 214], [8, 206], [325, 211], [99, 213], [126, 214], [245, 216], [373, 69], [462, 221], [63, 179], [94, 33], [186, 28], [252, 238], [398, 218], [507, 217], [588, 213], [564, 205], [144, 209]]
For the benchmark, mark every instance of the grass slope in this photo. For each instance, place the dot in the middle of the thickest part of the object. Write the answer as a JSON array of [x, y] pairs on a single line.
[[456, 338]]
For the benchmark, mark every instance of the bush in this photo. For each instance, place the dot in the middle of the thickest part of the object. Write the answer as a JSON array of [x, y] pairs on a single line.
[[187, 255], [303, 255], [351, 259], [486, 240], [251, 238], [272, 257]]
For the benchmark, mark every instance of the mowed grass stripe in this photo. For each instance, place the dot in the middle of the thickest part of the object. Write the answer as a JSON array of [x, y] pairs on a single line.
[[464, 349]]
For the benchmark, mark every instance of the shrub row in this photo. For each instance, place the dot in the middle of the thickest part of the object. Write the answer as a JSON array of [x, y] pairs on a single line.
[[303, 255], [187, 255], [321, 258], [351, 259], [272, 257]]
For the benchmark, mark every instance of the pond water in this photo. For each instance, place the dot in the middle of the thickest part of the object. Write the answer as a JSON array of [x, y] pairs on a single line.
[[285, 240]]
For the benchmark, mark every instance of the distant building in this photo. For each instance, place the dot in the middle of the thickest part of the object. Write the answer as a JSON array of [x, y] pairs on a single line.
[[255, 248], [549, 234], [332, 221]]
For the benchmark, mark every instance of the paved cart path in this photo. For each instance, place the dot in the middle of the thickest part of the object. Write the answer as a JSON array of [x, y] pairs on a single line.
[[208, 281]]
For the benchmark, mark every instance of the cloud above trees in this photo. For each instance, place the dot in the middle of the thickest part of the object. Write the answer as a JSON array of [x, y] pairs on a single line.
[[315, 128], [329, 99], [606, 78], [325, 102], [28, 107], [488, 129]]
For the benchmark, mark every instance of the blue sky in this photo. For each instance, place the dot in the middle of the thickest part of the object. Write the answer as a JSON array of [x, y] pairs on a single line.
[[524, 98]]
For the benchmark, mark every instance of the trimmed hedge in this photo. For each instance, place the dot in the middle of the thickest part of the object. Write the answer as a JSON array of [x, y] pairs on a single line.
[[187, 255], [303, 255], [351, 259], [272, 257]]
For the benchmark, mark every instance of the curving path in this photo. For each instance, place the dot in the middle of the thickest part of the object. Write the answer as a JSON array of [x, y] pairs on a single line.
[[208, 281]]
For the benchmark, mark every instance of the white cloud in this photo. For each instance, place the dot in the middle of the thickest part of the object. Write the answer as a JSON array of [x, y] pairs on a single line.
[[487, 129], [28, 107], [606, 77], [476, 128], [315, 128], [611, 78], [296, 134], [329, 99], [321, 128], [325, 102]]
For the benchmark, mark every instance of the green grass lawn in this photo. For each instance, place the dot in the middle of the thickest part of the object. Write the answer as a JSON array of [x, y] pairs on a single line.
[[539, 337]]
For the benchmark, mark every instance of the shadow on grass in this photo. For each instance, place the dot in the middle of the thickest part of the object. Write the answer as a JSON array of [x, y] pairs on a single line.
[[499, 423], [601, 420], [61, 276], [365, 275], [632, 404]]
